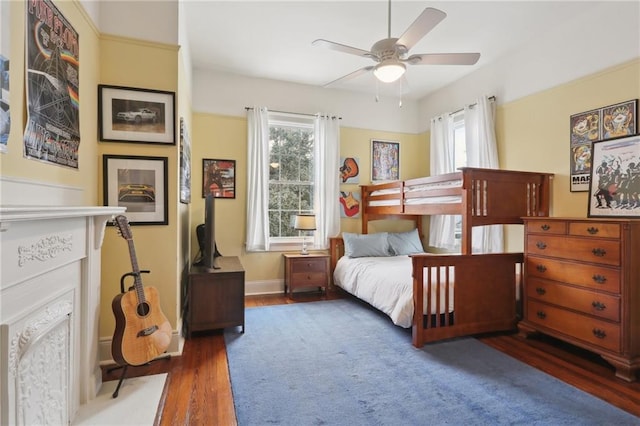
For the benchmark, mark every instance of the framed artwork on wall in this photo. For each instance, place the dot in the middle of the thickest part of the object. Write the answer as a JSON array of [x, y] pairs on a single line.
[[219, 178], [385, 160], [620, 120], [185, 164], [140, 185], [615, 178], [585, 128], [129, 114]]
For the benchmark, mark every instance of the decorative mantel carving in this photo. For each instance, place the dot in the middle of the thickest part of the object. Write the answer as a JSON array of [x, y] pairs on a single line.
[[46, 248]]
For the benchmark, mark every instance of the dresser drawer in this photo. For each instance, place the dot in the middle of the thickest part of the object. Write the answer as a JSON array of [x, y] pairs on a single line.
[[596, 332], [318, 264], [543, 226], [309, 279], [601, 305], [606, 252], [595, 229], [582, 274]]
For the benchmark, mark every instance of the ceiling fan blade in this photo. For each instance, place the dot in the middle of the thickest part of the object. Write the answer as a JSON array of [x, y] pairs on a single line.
[[351, 75], [341, 48], [443, 59], [427, 21]]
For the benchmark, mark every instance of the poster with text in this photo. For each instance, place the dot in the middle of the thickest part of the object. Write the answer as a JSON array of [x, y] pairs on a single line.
[[52, 132]]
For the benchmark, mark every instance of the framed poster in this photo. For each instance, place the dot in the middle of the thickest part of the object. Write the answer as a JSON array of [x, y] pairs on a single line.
[[585, 128], [219, 178], [620, 120], [614, 189], [140, 185], [128, 114], [185, 164], [385, 160]]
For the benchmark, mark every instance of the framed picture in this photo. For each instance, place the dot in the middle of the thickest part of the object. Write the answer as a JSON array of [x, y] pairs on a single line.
[[185, 164], [620, 120], [385, 160], [615, 178], [140, 185], [128, 114], [219, 178]]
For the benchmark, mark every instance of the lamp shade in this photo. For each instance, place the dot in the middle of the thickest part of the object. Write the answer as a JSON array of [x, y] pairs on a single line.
[[305, 222], [389, 70]]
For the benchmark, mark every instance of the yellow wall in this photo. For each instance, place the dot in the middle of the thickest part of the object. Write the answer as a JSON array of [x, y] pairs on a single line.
[[133, 63], [13, 163], [533, 132], [224, 137]]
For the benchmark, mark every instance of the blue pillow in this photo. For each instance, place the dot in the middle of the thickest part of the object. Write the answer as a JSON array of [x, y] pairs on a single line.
[[366, 245], [403, 243]]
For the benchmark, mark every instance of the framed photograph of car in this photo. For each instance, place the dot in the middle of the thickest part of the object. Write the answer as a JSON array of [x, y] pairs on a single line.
[[129, 114], [139, 184]]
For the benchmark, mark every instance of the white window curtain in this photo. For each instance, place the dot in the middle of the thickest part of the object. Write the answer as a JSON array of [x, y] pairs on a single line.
[[327, 162], [258, 179], [482, 151], [442, 227]]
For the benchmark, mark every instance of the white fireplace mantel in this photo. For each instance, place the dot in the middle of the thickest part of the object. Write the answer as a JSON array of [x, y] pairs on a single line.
[[49, 305]]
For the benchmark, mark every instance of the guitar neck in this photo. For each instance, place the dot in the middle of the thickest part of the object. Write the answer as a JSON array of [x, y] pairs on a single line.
[[136, 272]]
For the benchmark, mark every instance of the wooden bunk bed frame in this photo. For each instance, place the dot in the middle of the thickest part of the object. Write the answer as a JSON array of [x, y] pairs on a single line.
[[485, 284], [483, 197]]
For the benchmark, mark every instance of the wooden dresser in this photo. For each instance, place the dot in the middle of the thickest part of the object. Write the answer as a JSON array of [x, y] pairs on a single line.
[[582, 285]]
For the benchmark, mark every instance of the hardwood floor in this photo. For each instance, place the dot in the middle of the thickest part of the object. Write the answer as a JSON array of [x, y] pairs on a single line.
[[198, 390]]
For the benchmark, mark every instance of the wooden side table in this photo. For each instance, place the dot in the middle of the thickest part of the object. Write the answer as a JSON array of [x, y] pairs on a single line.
[[215, 298], [304, 271]]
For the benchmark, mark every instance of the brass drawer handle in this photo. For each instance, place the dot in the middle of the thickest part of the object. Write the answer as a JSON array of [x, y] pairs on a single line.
[[540, 290], [592, 230], [600, 334], [541, 245], [541, 268], [600, 279], [545, 227], [541, 314], [598, 306], [599, 252]]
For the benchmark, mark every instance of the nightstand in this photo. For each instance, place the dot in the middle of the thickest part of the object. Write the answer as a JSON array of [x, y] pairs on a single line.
[[305, 270]]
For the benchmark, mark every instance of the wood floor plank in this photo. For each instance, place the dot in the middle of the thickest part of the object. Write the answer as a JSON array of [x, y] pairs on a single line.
[[198, 388]]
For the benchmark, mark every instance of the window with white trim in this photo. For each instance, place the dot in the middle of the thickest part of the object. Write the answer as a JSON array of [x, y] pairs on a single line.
[[291, 174]]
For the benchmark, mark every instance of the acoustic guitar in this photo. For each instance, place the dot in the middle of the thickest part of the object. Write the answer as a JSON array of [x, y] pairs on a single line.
[[142, 331]]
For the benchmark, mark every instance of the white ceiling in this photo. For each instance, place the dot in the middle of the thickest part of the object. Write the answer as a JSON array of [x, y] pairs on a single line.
[[272, 39]]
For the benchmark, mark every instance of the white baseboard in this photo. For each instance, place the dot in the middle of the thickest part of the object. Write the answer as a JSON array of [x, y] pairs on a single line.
[[254, 288]]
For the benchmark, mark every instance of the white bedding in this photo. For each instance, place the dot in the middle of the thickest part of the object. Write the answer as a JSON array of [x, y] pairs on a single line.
[[386, 283]]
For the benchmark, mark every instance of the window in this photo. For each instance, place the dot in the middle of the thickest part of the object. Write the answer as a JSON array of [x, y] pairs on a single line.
[[291, 174]]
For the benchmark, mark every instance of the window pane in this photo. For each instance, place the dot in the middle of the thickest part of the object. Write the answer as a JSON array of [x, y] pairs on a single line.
[[290, 175]]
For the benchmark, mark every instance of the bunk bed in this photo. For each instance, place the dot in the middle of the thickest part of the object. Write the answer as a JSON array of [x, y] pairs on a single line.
[[479, 196], [451, 295]]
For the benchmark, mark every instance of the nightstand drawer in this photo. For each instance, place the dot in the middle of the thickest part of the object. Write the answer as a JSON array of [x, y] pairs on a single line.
[[309, 265], [308, 279]]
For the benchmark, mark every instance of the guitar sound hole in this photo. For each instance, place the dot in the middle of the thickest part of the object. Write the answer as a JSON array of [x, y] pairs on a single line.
[[143, 309]]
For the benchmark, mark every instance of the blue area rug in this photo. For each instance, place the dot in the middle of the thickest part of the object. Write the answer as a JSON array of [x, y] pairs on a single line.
[[341, 363]]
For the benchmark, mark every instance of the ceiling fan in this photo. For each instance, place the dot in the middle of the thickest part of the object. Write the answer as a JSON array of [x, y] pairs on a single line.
[[392, 54]]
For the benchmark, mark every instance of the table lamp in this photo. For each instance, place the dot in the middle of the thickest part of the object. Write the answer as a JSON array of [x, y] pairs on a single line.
[[305, 222]]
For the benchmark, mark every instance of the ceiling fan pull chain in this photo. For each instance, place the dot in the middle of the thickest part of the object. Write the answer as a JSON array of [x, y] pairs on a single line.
[[377, 90], [400, 86]]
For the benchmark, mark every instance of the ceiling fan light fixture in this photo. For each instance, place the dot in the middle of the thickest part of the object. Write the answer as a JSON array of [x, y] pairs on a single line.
[[389, 71]]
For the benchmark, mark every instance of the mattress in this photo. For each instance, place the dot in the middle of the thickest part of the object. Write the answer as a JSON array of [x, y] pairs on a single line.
[[386, 283]]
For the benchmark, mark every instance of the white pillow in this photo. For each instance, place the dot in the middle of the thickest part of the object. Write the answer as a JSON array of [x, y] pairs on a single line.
[[366, 245], [403, 243]]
